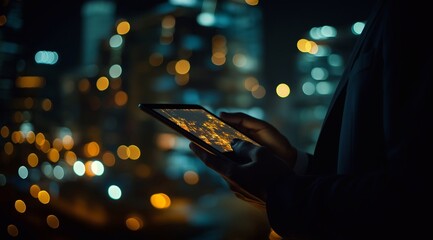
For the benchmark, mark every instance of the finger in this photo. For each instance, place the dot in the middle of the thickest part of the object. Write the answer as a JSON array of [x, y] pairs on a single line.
[[263, 133], [243, 121], [260, 131], [221, 165]]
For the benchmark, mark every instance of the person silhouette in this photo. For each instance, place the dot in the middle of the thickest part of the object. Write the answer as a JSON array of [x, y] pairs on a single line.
[[370, 176]]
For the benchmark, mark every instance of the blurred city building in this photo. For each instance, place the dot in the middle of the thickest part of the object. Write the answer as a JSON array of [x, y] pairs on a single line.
[[79, 159]]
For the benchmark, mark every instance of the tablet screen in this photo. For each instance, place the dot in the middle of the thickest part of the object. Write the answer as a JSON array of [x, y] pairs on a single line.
[[205, 126], [196, 123]]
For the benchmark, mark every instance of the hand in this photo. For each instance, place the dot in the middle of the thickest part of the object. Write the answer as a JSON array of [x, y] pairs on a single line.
[[263, 133], [249, 179]]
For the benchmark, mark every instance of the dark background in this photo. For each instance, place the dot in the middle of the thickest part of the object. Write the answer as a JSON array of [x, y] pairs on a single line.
[[206, 210]]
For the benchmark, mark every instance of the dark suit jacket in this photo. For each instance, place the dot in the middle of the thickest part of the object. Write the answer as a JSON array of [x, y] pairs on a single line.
[[371, 173]]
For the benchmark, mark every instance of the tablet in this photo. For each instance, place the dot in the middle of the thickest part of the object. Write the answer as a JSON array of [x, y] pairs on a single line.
[[198, 125]]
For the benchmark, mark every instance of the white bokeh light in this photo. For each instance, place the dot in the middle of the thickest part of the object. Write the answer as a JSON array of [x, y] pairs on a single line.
[[114, 192], [79, 168], [23, 172], [97, 168]]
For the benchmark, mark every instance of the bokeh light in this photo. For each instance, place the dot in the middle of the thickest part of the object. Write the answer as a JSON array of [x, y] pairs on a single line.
[[44, 197], [114, 192], [20, 206], [79, 168], [283, 90], [32, 160], [53, 221], [34, 190], [123, 27], [12, 230], [160, 200], [191, 177]]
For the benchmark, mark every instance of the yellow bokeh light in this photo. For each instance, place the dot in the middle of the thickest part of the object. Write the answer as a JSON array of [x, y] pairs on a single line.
[[303, 45], [30, 82], [108, 159], [283, 90], [43, 197], [134, 223], [307, 46], [102, 83], [123, 152], [88, 169], [20, 206], [12, 230], [191, 177], [32, 160], [218, 58], [181, 79], [40, 138], [17, 137], [58, 144], [34, 190], [53, 155], [45, 147], [182, 66], [168, 22], [171, 67], [123, 28], [252, 2], [160, 200], [251, 83], [121, 98], [91, 149], [70, 157], [30, 137], [258, 93], [4, 131], [46, 105], [314, 48], [53, 221], [8, 148], [218, 41], [134, 152], [68, 142]]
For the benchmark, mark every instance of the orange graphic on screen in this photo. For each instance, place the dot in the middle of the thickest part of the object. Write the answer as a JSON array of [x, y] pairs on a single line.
[[205, 126]]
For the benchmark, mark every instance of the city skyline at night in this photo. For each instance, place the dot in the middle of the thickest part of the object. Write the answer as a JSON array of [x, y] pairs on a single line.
[[76, 154]]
